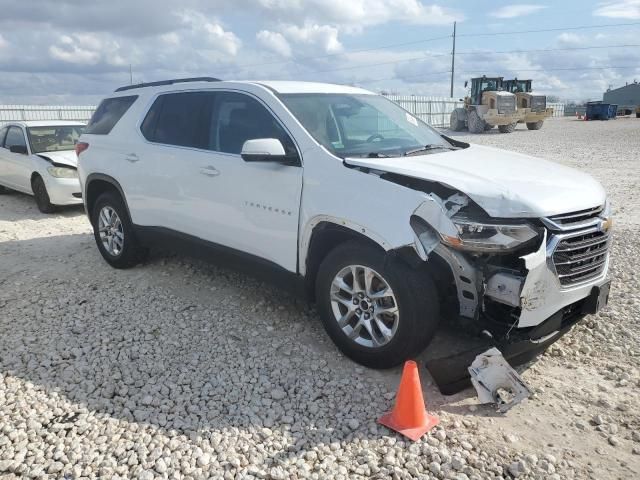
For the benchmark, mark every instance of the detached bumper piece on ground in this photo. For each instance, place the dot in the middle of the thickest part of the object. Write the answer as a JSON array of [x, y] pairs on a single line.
[[496, 382]]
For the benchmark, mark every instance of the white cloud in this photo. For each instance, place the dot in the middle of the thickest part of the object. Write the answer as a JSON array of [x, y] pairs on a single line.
[[3, 42], [211, 33], [275, 42], [629, 9], [516, 10], [324, 37], [570, 39]]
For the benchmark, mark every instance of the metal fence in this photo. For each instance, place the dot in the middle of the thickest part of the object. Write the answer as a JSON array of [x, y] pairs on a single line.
[[433, 110], [13, 113]]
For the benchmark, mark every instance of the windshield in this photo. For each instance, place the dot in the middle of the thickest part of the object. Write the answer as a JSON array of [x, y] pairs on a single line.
[[361, 125], [54, 138]]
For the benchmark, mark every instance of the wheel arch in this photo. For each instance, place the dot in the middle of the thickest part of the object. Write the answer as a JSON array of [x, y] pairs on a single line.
[[98, 183]]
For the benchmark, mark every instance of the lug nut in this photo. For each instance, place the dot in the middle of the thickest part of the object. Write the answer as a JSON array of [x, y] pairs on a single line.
[[355, 301], [359, 312], [366, 315]]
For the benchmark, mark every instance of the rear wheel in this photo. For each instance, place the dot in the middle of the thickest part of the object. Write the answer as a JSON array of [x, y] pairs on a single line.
[[637, 115], [456, 123], [507, 128], [41, 195], [378, 311], [475, 123], [113, 232], [535, 125]]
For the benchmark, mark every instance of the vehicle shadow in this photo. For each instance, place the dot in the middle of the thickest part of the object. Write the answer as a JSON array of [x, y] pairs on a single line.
[[178, 346], [16, 206]]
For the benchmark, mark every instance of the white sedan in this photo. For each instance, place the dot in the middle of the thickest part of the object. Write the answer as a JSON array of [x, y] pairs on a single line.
[[38, 158]]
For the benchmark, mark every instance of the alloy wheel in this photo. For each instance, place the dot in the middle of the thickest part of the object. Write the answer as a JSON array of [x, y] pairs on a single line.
[[111, 231], [364, 306]]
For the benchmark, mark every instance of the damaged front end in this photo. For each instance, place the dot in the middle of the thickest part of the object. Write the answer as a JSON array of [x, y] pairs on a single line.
[[520, 284]]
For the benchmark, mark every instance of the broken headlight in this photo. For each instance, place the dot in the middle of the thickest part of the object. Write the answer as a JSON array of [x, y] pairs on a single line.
[[489, 237]]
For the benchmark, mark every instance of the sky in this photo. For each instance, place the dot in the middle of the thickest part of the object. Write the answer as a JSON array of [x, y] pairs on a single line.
[[77, 51]]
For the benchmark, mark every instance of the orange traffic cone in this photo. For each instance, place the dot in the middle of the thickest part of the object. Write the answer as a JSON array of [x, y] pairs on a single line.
[[409, 416]]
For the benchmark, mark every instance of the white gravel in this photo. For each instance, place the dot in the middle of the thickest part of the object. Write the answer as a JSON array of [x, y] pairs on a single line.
[[181, 369]]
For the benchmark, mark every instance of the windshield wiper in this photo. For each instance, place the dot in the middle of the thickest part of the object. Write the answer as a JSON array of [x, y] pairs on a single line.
[[426, 148], [377, 155]]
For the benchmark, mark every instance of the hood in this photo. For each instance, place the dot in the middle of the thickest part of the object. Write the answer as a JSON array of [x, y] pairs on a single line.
[[64, 157], [505, 184]]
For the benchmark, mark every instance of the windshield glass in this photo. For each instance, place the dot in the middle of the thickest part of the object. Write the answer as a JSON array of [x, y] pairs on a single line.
[[54, 138], [361, 125]]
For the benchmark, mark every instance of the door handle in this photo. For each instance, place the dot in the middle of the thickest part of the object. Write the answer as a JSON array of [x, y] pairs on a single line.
[[209, 171], [131, 157]]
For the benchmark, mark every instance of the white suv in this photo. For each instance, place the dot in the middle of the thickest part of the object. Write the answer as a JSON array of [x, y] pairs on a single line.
[[390, 225]]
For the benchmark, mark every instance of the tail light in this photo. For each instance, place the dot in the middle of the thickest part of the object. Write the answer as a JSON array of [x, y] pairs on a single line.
[[81, 147]]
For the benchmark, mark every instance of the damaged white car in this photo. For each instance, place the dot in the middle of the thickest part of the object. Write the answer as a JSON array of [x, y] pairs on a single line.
[[390, 225]]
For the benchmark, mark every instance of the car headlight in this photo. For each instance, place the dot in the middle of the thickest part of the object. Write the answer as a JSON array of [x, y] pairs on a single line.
[[489, 237], [62, 172]]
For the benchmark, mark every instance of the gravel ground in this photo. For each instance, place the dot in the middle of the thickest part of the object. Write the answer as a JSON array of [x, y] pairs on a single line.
[[185, 369]]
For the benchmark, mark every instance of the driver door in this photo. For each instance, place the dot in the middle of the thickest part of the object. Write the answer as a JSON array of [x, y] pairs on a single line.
[[16, 166]]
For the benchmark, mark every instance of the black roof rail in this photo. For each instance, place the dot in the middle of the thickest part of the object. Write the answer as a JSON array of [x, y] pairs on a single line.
[[168, 82]]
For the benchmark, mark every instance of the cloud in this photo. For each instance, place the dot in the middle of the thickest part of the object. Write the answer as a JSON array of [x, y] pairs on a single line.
[[3, 42], [628, 9], [214, 36], [516, 10], [323, 36], [275, 42]]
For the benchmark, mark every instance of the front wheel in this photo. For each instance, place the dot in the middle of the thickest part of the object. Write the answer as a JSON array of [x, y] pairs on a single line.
[[535, 125], [475, 123], [507, 128], [113, 232], [378, 311], [42, 196]]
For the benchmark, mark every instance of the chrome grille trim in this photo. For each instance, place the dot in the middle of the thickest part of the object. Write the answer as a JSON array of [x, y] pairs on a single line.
[[579, 257], [575, 220]]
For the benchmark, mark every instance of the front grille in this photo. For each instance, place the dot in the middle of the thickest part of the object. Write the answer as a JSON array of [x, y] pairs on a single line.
[[581, 257], [575, 218], [506, 104]]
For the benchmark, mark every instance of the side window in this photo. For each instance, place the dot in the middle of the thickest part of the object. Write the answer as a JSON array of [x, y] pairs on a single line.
[[108, 113], [15, 136], [3, 132], [238, 118], [181, 119]]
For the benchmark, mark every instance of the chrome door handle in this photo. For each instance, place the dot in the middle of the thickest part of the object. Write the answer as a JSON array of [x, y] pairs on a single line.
[[131, 157], [209, 171]]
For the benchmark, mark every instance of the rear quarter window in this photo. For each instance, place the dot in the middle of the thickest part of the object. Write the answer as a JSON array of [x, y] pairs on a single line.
[[108, 113]]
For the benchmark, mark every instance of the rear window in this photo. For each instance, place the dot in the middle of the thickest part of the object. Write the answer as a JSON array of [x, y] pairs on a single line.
[[181, 119], [108, 113]]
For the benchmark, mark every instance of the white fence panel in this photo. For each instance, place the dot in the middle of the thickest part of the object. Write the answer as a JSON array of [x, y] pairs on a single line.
[[558, 109], [433, 110], [13, 113]]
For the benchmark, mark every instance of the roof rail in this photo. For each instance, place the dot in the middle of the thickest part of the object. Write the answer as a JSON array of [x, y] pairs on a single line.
[[167, 82]]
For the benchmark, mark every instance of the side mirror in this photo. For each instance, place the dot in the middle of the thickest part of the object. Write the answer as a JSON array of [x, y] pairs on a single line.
[[22, 149], [266, 150]]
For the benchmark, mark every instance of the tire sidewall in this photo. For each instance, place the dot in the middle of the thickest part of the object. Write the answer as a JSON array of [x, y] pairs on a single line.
[[418, 314], [41, 195]]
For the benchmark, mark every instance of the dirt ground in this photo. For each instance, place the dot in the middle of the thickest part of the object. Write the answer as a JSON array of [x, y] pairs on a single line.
[[181, 368]]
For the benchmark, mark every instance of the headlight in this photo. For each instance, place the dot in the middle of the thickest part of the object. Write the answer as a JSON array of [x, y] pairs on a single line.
[[62, 172], [489, 237]]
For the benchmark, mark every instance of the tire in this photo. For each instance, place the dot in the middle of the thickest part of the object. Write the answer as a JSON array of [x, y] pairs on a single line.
[[455, 122], [123, 250], [413, 293], [41, 195], [637, 115], [475, 123], [507, 128], [535, 125]]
